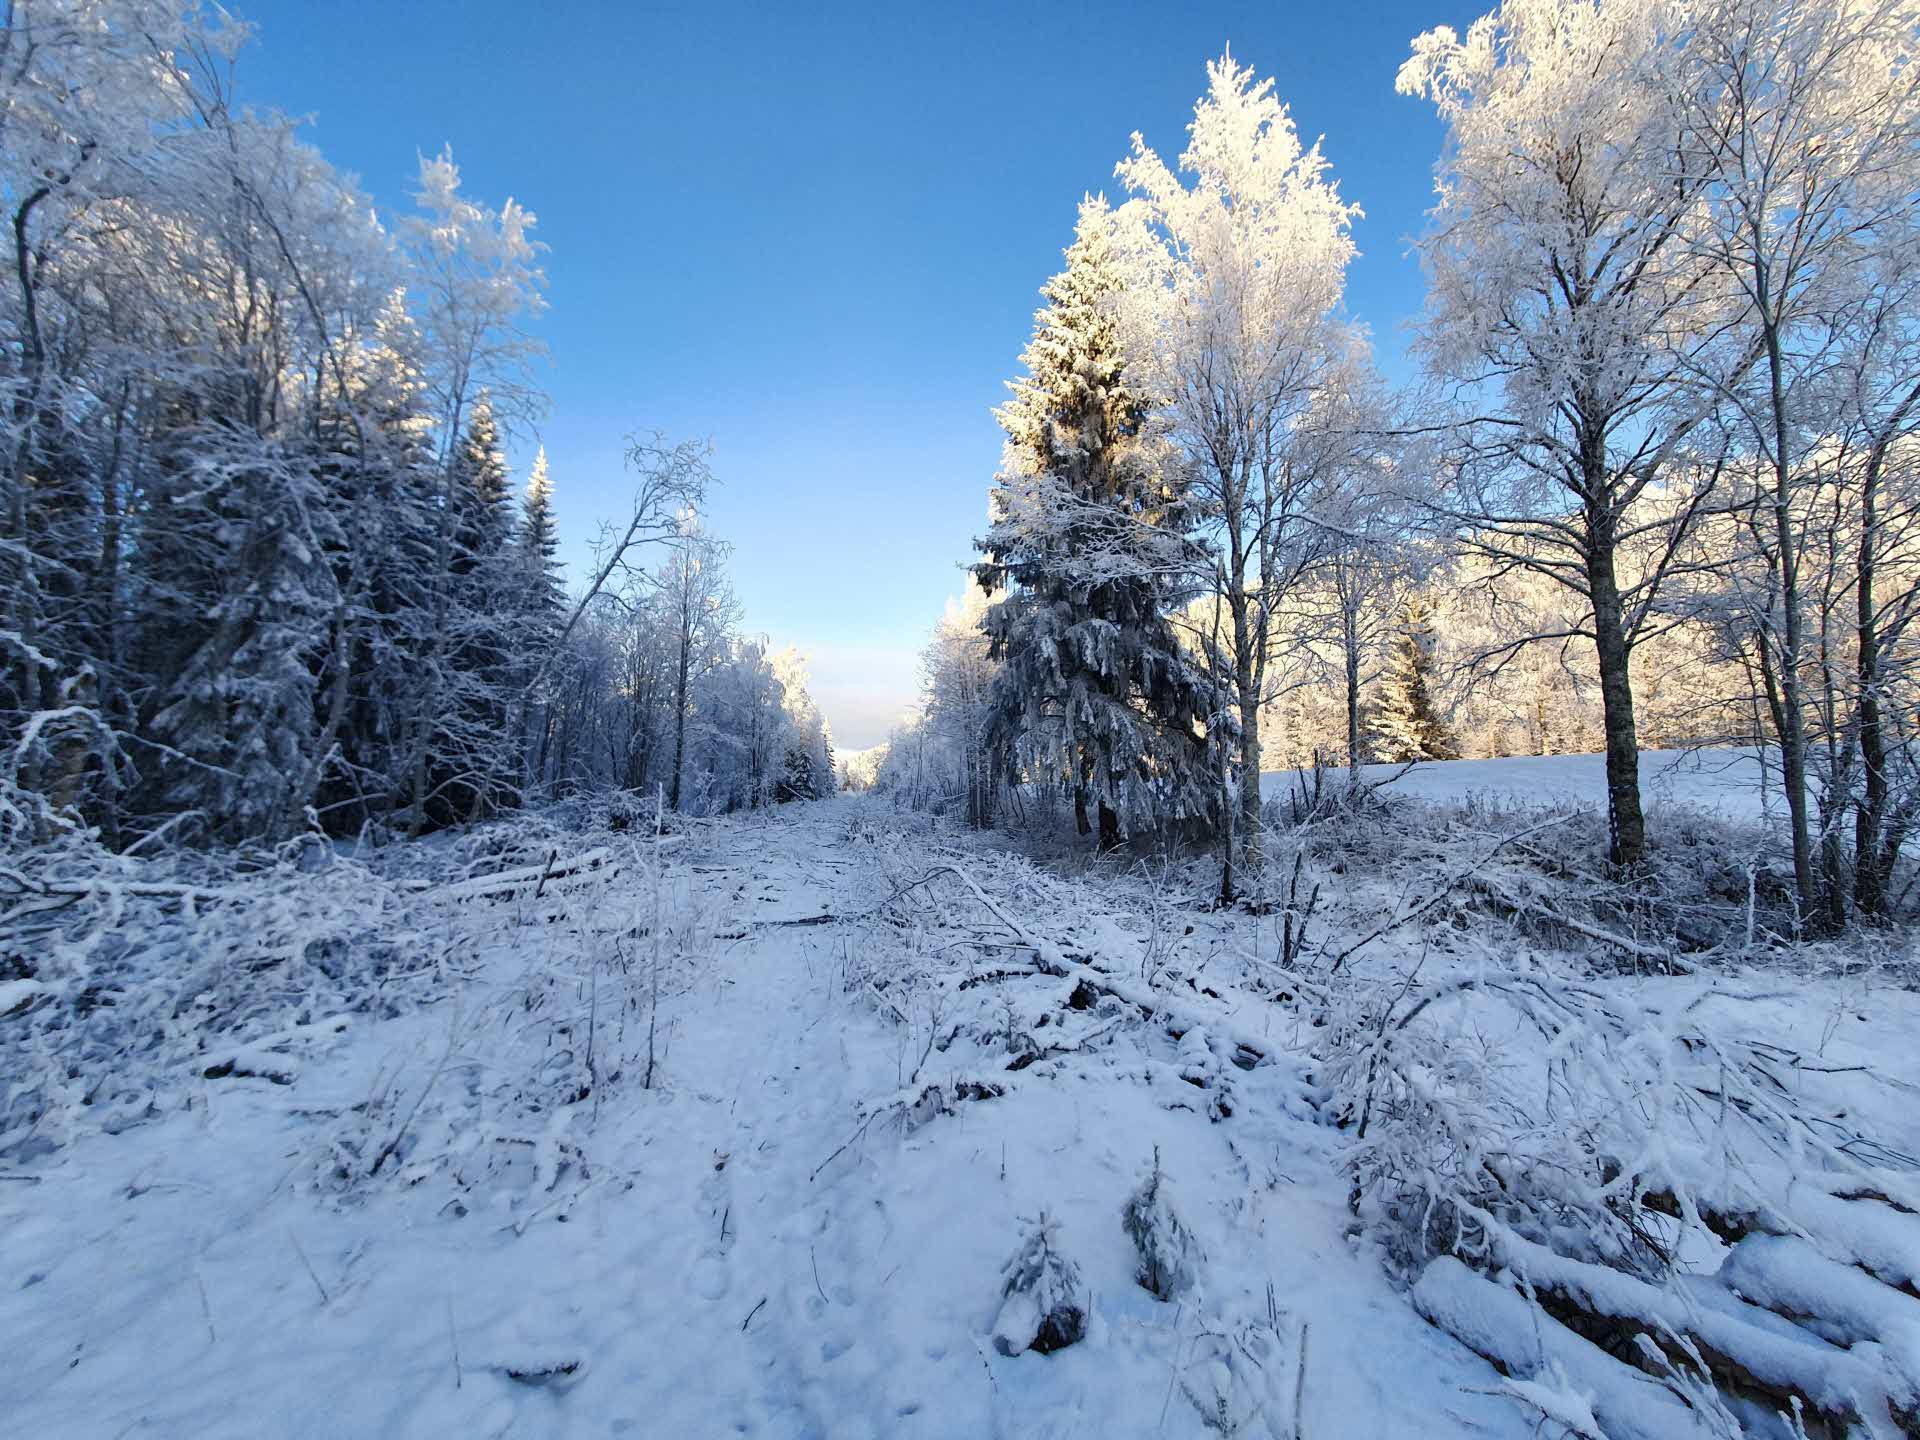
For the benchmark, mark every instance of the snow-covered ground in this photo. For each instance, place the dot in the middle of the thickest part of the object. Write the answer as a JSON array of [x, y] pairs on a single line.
[[725, 1265], [1725, 781], [882, 1047]]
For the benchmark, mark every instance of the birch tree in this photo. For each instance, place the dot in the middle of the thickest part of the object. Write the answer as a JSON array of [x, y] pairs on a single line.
[[1235, 330], [475, 278], [1570, 320], [1802, 120]]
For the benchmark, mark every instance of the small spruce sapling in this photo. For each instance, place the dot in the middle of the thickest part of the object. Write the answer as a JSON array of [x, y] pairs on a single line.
[[1170, 1258], [1040, 1309]]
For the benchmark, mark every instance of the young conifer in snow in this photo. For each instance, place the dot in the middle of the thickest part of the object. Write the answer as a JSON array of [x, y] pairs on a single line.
[[1406, 725], [1087, 531], [1170, 1258], [1040, 1307], [537, 548]]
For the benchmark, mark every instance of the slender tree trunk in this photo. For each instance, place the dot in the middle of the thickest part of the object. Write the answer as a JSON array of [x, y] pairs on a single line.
[[680, 716], [1246, 679], [1626, 823], [1351, 641], [109, 621], [1870, 864], [1789, 716], [1786, 699], [24, 600]]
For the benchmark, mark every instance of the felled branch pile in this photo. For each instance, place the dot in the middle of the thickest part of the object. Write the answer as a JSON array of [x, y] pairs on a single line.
[[1562, 1195], [1785, 1323]]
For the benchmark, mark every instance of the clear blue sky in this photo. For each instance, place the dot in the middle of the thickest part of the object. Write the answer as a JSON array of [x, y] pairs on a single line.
[[814, 233]]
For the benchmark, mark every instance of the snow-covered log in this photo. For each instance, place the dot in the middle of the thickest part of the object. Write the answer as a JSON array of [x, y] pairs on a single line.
[[1500, 1325]]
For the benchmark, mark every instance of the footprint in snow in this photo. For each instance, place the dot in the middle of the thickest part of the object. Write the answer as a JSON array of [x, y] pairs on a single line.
[[708, 1277]]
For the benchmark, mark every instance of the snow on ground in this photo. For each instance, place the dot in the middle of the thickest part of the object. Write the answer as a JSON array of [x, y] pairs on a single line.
[[799, 1230], [721, 1273], [1726, 782]]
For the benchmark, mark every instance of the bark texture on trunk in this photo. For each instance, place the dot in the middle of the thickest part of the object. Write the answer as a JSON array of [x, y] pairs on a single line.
[[1626, 823]]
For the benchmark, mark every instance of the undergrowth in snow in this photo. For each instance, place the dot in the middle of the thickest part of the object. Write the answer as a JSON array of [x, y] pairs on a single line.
[[562, 1126]]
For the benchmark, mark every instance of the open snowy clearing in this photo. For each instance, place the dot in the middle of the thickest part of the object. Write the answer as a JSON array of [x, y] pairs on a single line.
[[1727, 782], [880, 1046]]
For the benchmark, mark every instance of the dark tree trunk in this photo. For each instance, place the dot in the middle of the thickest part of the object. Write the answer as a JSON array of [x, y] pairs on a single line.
[[1353, 702], [1872, 863], [1249, 765], [1789, 716], [680, 720], [1626, 823]]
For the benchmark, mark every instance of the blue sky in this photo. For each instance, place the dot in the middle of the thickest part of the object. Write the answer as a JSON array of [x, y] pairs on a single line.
[[814, 233]]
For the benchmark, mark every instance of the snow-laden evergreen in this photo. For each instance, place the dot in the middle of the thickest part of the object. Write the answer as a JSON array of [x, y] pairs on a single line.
[[1406, 725], [1170, 1257], [1041, 1307], [1089, 547]]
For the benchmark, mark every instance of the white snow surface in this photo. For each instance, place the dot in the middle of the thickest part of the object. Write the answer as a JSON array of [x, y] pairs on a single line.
[[1723, 781], [800, 1230], [718, 1272]]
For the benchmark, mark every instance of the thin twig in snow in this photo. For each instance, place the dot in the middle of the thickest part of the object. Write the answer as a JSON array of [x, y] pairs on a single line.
[[294, 1240]]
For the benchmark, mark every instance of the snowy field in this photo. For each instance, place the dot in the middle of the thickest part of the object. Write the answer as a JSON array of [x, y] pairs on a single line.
[[1725, 782], [880, 1047]]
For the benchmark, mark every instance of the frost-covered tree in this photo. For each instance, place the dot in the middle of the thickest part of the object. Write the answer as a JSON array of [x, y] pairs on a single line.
[[1041, 1307], [1087, 543], [539, 605], [474, 275], [699, 610], [1565, 305], [807, 760], [940, 757], [469, 652], [1802, 120], [1406, 722], [1170, 1257], [537, 550], [1234, 334], [1339, 619]]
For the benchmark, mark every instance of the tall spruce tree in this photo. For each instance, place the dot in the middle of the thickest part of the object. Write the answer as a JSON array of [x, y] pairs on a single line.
[[482, 766], [1094, 688], [540, 600], [1405, 725], [537, 548]]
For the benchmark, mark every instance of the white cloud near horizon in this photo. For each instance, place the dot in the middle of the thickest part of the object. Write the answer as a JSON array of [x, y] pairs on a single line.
[[863, 690]]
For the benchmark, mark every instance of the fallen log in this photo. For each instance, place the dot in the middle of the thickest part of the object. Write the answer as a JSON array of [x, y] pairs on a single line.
[[1743, 1350], [1498, 1325]]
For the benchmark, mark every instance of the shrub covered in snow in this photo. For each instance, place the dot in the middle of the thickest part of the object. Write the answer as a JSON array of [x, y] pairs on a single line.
[[1170, 1258], [1040, 1295], [130, 977]]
